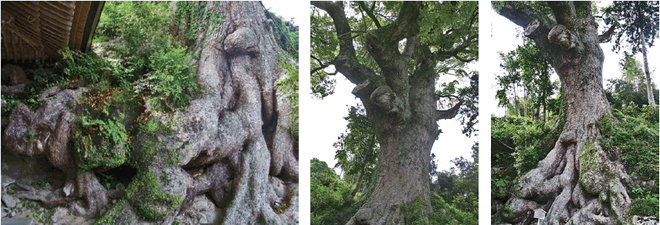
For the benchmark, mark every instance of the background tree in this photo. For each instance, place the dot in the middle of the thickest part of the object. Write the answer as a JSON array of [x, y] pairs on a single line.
[[357, 149], [392, 51], [577, 174], [635, 22], [527, 70], [631, 87]]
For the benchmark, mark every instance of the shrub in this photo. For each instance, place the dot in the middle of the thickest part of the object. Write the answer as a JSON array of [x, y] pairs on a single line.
[[645, 207]]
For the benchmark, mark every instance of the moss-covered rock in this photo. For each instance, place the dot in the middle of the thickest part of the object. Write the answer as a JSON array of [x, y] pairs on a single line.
[[156, 192]]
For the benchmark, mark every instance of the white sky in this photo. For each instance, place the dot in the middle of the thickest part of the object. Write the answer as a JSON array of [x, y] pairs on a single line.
[[288, 10], [504, 34]]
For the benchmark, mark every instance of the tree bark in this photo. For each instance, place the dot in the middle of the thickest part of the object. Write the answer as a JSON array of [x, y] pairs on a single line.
[[401, 106], [359, 182], [235, 137], [575, 179], [649, 88]]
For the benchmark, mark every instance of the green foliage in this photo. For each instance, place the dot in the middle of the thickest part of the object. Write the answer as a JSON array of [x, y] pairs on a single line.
[[326, 46], [152, 61], [630, 89], [29, 135], [437, 16], [415, 213], [94, 150], [289, 86], [357, 149], [86, 66], [41, 184], [645, 207], [636, 21], [43, 216], [636, 141], [452, 216], [116, 211], [143, 193], [525, 136], [193, 16], [286, 34], [459, 186], [328, 194], [526, 73]]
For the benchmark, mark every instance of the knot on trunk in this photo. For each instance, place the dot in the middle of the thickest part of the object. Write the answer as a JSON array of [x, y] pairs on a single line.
[[363, 216], [387, 100], [363, 89], [560, 35], [242, 41], [533, 29], [568, 137]]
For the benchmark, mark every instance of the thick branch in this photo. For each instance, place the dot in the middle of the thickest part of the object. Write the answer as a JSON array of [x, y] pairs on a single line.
[[346, 62], [522, 14], [564, 12], [370, 13], [607, 36], [448, 114]]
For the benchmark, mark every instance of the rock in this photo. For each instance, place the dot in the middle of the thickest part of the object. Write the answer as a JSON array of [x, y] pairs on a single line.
[[6, 180], [524, 212], [67, 189], [60, 215], [495, 206], [649, 220], [15, 73], [9, 200], [12, 90], [173, 183], [202, 210], [279, 186]]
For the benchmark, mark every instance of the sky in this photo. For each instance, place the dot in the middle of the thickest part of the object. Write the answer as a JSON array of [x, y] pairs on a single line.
[[504, 34]]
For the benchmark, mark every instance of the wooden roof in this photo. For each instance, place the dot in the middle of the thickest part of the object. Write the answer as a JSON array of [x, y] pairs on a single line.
[[37, 30]]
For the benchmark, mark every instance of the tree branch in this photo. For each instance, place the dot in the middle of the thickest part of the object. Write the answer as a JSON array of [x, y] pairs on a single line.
[[321, 65], [607, 36], [564, 12], [346, 61], [448, 114], [522, 14], [370, 13]]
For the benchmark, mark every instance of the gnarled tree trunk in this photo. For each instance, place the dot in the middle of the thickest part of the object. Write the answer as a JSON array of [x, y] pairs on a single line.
[[576, 180], [233, 142], [400, 105]]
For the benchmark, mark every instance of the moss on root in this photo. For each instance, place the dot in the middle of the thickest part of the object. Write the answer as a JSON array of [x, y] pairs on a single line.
[[149, 201]]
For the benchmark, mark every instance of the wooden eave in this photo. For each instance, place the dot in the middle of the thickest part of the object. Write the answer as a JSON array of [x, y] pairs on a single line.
[[34, 30]]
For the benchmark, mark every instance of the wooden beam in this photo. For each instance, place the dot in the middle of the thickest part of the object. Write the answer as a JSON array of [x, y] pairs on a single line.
[[93, 18]]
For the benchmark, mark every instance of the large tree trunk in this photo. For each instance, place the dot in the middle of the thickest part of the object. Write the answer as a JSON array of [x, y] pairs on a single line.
[[234, 138], [576, 178], [401, 107]]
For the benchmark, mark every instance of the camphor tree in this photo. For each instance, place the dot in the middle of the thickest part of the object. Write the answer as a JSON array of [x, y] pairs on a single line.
[[395, 52], [577, 182], [234, 140]]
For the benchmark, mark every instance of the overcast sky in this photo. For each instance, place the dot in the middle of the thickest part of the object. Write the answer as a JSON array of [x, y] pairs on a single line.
[[504, 35]]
